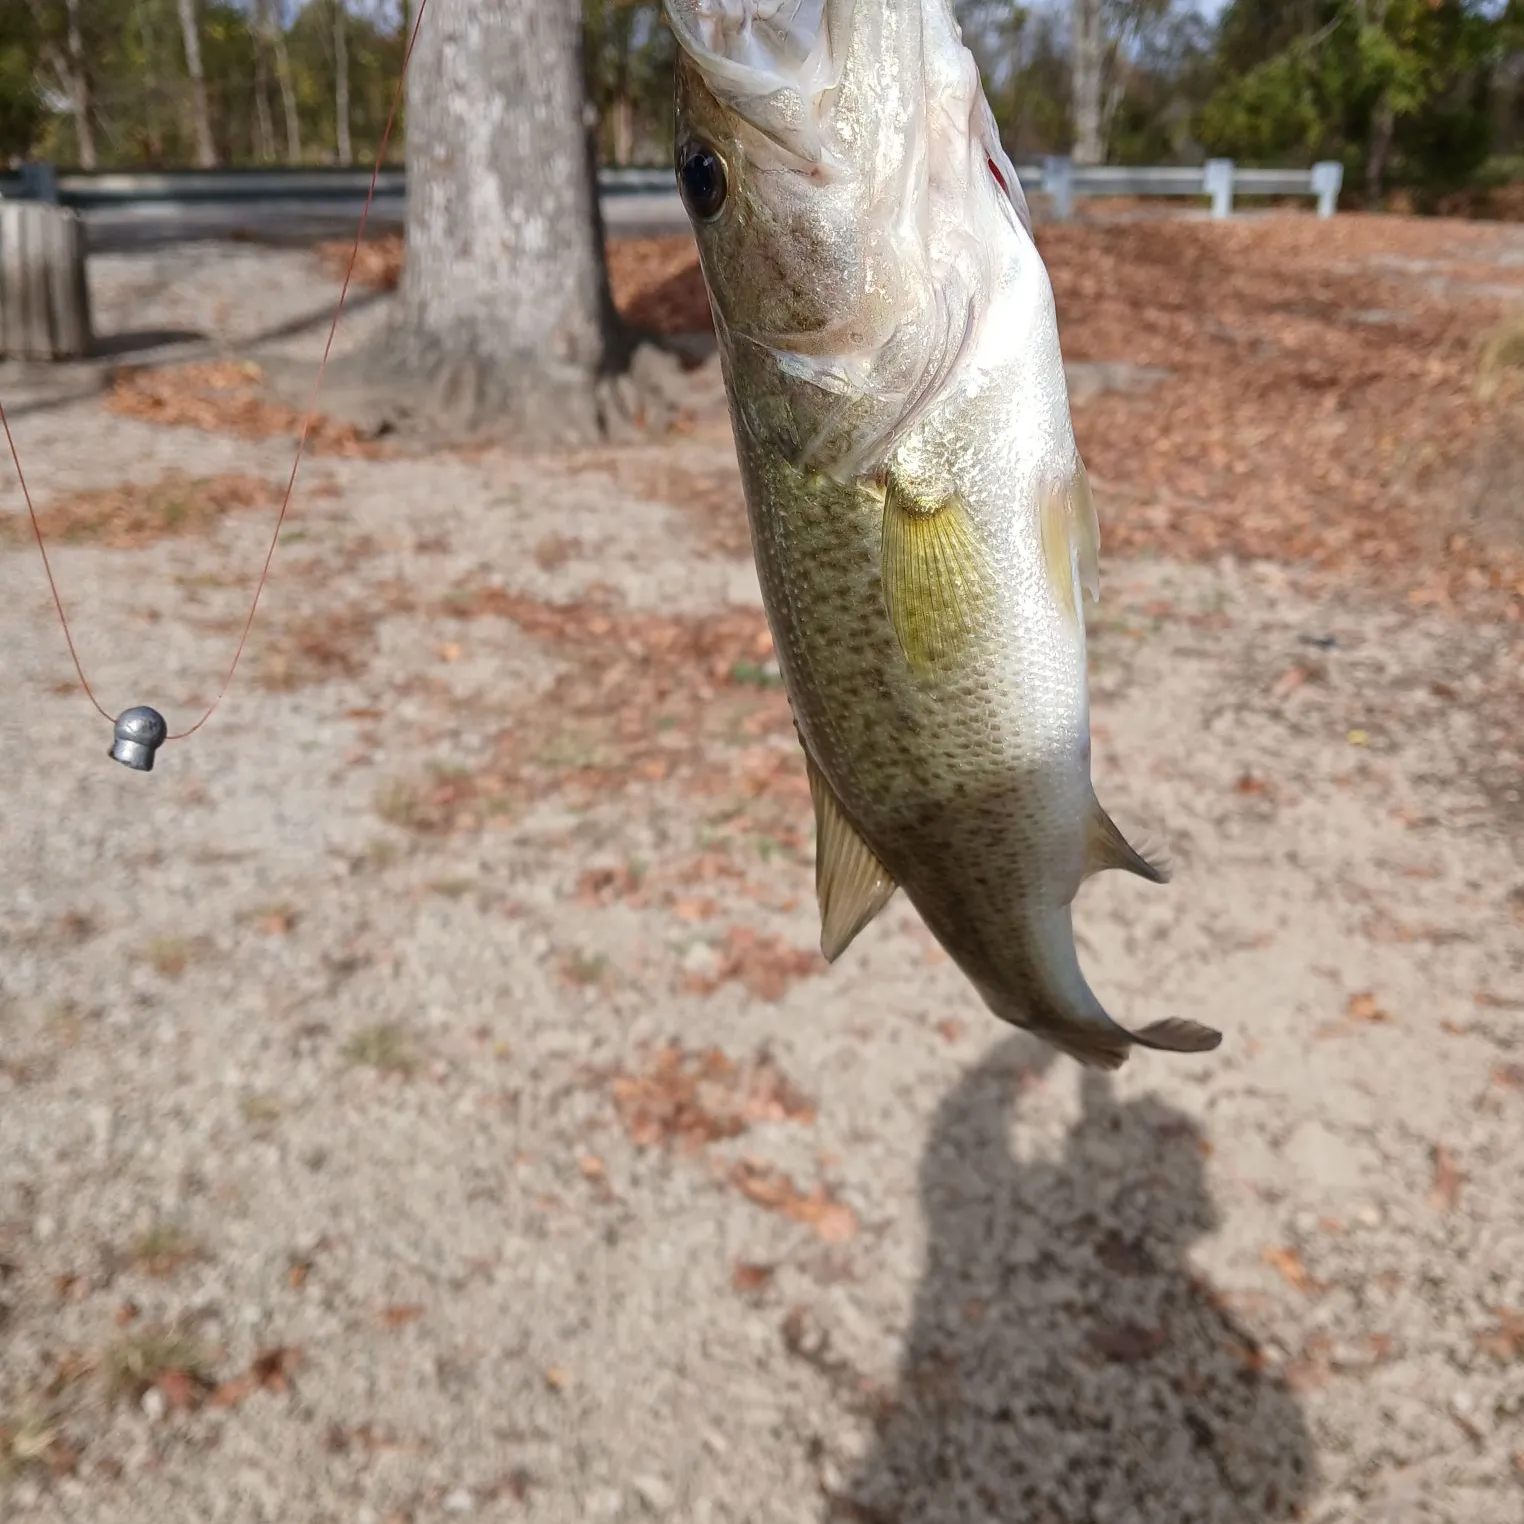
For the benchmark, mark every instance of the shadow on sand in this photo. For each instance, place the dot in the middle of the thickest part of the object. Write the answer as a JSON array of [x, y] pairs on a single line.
[[1064, 1365]]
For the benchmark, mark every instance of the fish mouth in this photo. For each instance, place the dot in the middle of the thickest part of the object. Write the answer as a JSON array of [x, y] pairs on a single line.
[[770, 62]]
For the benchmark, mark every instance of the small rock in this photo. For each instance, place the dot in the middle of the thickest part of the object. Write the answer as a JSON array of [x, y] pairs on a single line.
[[654, 1492], [153, 1404], [701, 959], [459, 1501]]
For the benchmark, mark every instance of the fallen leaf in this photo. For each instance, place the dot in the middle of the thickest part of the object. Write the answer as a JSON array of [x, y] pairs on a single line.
[[592, 1167], [832, 1220], [1126, 1343], [1448, 1179], [1289, 1264], [950, 1029], [1506, 1341], [748, 1278], [1363, 1007], [402, 1314], [556, 1378], [272, 1368], [180, 1388]]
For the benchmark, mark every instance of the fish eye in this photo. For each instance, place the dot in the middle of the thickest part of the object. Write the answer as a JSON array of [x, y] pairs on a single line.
[[704, 182]]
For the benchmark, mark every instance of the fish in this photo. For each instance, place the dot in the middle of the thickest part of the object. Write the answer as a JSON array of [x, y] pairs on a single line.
[[924, 532]]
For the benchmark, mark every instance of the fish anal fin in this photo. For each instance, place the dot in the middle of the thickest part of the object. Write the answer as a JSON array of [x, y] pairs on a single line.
[[937, 576], [1106, 847], [851, 884]]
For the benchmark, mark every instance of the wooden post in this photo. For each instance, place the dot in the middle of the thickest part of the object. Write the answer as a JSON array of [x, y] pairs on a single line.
[[44, 298]]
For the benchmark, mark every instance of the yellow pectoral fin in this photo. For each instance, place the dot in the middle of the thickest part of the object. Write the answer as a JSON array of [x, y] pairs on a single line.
[[1087, 533], [936, 573], [1071, 542], [851, 884]]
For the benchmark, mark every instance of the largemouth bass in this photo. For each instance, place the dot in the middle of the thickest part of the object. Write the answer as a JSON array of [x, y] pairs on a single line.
[[922, 525]]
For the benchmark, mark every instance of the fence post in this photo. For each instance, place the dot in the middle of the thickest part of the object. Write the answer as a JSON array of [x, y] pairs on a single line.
[[1217, 182], [44, 297], [1058, 182], [1327, 181], [39, 181]]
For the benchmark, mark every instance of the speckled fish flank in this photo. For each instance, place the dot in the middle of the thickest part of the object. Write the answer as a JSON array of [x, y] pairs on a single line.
[[922, 524]]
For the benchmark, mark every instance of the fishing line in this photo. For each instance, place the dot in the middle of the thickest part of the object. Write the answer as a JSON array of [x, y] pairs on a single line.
[[140, 731]]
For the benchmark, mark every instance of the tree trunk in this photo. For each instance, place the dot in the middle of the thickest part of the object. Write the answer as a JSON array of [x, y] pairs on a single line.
[[79, 89], [504, 313], [341, 85], [1087, 64], [1379, 149], [276, 24], [190, 30], [1088, 57], [264, 126]]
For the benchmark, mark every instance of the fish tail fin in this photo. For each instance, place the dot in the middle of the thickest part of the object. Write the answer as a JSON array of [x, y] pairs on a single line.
[[1177, 1035], [1106, 1044]]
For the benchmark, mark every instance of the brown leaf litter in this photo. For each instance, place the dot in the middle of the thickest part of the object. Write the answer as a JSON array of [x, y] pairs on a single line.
[[131, 515], [768, 1187], [766, 965], [226, 397], [644, 699], [689, 1100], [1505, 1341], [1320, 399]]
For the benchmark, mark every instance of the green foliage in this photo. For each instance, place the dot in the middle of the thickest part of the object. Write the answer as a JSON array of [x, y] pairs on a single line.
[[1418, 93], [21, 108], [1359, 80]]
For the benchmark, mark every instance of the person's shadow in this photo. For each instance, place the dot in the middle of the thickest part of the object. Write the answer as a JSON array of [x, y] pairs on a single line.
[[1064, 1365]]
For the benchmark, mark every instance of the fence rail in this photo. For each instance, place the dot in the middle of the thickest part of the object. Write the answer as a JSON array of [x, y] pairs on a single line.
[[1060, 179]]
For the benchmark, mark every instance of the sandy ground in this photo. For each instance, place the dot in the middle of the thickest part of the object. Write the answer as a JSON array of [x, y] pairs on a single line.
[[421, 1097]]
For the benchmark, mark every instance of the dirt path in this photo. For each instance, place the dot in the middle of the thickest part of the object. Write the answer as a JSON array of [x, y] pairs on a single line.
[[421, 1097]]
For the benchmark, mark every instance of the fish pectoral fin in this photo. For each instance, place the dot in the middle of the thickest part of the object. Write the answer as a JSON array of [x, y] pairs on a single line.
[[851, 884], [1071, 542], [1106, 847], [937, 575], [1177, 1035], [1087, 532]]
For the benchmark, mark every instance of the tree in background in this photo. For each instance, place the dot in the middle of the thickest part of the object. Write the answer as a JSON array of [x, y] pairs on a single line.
[[1411, 93], [1088, 52], [21, 108], [629, 53], [201, 117], [504, 323], [1381, 84]]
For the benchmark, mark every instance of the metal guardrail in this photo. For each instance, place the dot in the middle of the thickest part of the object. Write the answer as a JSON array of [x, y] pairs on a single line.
[[1059, 178], [1220, 179]]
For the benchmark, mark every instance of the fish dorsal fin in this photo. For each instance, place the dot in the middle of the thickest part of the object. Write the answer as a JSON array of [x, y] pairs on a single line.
[[1106, 847], [851, 884], [937, 576], [1071, 542]]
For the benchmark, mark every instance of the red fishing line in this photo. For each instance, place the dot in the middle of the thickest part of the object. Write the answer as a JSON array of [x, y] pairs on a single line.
[[296, 462]]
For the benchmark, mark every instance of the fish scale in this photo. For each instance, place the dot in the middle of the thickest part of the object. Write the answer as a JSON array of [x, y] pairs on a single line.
[[920, 517]]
